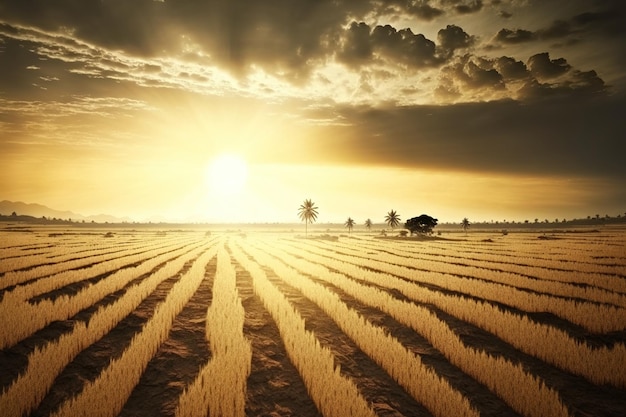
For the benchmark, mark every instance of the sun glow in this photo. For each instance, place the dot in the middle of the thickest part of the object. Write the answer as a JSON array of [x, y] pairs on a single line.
[[227, 174]]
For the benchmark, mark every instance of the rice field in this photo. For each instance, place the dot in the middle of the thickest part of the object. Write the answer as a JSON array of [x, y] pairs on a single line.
[[120, 322]]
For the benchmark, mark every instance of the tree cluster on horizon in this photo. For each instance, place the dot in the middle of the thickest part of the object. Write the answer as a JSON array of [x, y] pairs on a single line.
[[422, 224]]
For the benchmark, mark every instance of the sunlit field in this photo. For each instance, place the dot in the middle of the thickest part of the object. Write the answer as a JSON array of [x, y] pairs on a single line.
[[193, 322]]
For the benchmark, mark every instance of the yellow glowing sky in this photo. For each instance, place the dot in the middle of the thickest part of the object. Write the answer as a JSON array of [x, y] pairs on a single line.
[[490, 111]]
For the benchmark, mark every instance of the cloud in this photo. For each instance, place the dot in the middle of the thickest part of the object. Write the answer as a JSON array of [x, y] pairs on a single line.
[[472, 78], [558, 136], [578, 84], [466, 6], [427, 10], [607, 22], [357, 46], [473, 75], [404, 46], [362, 44], [514, 36], [511, 69], [558, 29], [542, 67], [420, 9], [453, 37]]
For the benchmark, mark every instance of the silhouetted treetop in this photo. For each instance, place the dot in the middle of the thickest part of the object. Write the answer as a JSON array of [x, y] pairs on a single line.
[[392, 219], [423, 224]]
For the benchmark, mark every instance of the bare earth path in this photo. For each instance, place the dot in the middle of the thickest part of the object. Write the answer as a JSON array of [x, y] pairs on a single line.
[[178, 360]]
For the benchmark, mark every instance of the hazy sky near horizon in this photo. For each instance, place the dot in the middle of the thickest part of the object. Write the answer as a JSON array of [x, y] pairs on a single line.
[[487, 109]]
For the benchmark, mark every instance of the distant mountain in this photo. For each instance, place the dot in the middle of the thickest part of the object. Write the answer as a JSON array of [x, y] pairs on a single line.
[[38, 210]]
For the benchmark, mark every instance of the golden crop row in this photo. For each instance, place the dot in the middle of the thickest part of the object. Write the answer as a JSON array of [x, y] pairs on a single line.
[[67, 273], [17, 277], [568, 246], [35, 316], [522, 391], [220, 387], [9, 240], [46, 362], [547, 295], [122, 374], [19, 259], [577, 272], [405, 367], [333, 394], [544, 342], [604, 251]]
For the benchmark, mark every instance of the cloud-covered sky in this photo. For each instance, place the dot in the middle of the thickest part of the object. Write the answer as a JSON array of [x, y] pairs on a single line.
[[461, 107]]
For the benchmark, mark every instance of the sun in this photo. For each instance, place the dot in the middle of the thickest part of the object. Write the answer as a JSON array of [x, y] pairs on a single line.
[[227, 174]]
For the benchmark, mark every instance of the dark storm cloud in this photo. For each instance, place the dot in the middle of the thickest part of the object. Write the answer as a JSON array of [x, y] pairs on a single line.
[[465, 6], [427, 9], [424, 11], [541, 66], [504, 14], [608, 21], [361, 43], [540, 78], [558, 29], [357, 47], [514, 36], [472, 76], [420, 9], [556, 136], [404, 46], [452, 38], [511, 69], [577, 85]]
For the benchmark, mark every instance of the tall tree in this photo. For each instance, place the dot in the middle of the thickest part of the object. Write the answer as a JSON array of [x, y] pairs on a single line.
[[349, 224], [465, 224], [392, 219], [368, 224], [307, 213]]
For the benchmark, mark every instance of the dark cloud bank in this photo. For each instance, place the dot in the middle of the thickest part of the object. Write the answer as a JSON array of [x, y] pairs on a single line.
[[555, 137]]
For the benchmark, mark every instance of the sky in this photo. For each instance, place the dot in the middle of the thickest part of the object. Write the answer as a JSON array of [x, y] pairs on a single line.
[[486, 109]]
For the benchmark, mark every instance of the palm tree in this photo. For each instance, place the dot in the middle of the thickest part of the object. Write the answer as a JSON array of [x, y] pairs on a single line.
[[465, 224], [392, 219], [307, 213], [349, 224], [368, 224]]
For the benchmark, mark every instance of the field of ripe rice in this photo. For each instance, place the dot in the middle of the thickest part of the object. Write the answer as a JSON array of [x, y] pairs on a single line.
[[119, 322]]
